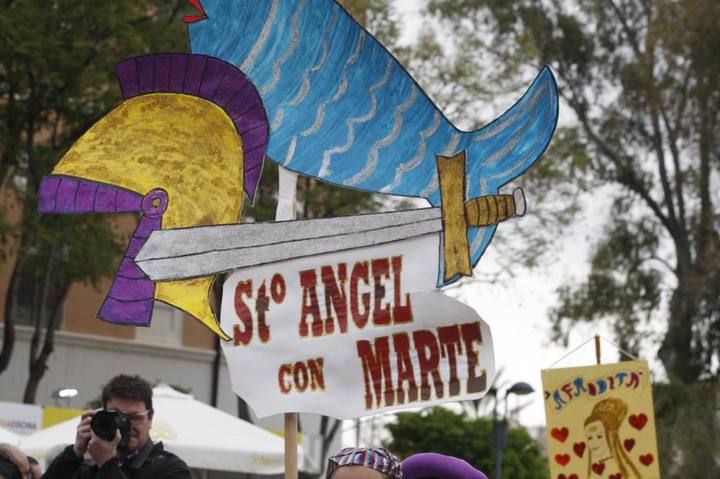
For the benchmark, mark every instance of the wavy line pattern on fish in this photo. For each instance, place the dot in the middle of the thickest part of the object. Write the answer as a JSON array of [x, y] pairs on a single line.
[[319, 90]]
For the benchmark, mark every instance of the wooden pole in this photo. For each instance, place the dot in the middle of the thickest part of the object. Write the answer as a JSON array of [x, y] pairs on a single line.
[[287, 193], [597, 348], [291, 443]]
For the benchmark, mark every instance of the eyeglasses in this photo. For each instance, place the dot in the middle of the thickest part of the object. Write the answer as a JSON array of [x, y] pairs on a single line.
[[135, 417]]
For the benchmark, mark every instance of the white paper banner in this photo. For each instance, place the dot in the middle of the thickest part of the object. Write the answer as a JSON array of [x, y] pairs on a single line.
[[353, 333]]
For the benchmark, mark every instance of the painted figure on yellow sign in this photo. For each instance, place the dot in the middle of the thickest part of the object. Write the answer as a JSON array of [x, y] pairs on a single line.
[[602, 428]]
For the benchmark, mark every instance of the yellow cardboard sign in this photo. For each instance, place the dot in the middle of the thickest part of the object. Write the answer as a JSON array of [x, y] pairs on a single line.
[[54, 415], [600, 422]]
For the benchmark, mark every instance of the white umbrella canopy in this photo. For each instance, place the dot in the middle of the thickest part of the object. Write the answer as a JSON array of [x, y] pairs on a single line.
[[45, 442], [203, 436], [8, 437], [208, 438]]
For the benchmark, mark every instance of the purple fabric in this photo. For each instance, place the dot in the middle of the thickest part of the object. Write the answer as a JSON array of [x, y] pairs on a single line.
[[440, 466], [214, 80]]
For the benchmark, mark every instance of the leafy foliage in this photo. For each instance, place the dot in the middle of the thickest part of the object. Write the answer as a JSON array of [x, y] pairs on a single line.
[[689, 426], [639, 80], [56, 79], [440, 430]]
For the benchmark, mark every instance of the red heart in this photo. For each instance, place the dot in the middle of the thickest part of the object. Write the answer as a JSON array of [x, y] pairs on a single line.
[[629, 444], [639, 421], [647, 459], [571, 476], [560, 434], [598, 468], [616, 476], [562, 459], [579, 448]]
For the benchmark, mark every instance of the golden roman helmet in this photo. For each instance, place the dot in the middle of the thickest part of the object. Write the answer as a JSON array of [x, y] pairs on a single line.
[[186, 141]]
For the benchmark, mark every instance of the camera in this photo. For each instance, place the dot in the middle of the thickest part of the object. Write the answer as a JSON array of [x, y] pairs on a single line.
[[106, 423]]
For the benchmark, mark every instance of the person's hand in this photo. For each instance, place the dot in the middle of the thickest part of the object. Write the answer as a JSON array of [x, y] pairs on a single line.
[[101, 450], [83, 434]]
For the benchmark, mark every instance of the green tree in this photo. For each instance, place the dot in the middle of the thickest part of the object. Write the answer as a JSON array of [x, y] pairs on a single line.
[[641, 80], [443, 431], [688, 428], [56, 79]]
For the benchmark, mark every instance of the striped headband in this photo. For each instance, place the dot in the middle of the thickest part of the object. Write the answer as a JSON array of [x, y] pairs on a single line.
[[375, 458]]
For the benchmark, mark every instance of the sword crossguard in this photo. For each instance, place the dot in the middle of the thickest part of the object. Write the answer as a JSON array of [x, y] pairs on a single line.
[[458, 215]]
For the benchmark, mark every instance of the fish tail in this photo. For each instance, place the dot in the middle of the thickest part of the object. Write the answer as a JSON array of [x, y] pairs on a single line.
[[503, 150]]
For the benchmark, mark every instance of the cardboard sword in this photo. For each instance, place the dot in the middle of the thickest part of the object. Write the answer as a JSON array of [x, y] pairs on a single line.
[[175, 254]]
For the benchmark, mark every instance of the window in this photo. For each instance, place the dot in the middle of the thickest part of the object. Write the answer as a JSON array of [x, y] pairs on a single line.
[[165, 327]]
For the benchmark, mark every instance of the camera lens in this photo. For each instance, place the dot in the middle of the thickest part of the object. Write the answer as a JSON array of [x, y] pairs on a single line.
[[103, 425]]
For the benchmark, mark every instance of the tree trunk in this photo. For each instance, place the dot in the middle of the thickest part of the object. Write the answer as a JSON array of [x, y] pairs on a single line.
[[676, 352], [8, 343], [39, 364]]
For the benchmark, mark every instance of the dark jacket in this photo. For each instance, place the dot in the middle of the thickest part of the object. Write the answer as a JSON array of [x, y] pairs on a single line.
[[151, 462]]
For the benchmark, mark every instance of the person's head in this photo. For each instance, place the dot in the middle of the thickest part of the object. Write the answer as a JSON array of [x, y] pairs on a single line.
[[364, 463], [430, 465], [13, 463], [8, 469], [132, 396], [34, 467]]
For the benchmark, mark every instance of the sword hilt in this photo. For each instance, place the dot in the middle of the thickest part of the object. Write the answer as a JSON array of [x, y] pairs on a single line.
[[458, 215]]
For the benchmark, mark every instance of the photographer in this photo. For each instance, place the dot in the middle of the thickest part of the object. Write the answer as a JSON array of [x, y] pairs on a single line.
[[117, 439]]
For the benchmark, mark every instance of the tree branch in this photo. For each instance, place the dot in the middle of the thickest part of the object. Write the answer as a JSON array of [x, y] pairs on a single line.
[[628, 176], [629, 33]]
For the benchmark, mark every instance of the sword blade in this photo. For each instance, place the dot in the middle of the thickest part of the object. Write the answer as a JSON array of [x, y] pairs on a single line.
[[202, 251]]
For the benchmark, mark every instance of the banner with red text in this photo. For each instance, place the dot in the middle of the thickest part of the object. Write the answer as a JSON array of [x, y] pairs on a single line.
[[353, 333], [600, 422]]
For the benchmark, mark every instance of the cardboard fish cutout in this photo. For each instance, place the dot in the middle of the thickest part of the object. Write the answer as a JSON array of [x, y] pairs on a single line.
[[189, 136], [600, 422], [342, 109]]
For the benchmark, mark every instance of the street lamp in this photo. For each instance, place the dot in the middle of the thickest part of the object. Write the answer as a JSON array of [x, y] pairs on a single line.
[[64, 393], [500, 427]]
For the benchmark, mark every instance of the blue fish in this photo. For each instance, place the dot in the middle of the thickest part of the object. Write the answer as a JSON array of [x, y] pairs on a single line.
[[341, 108]]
